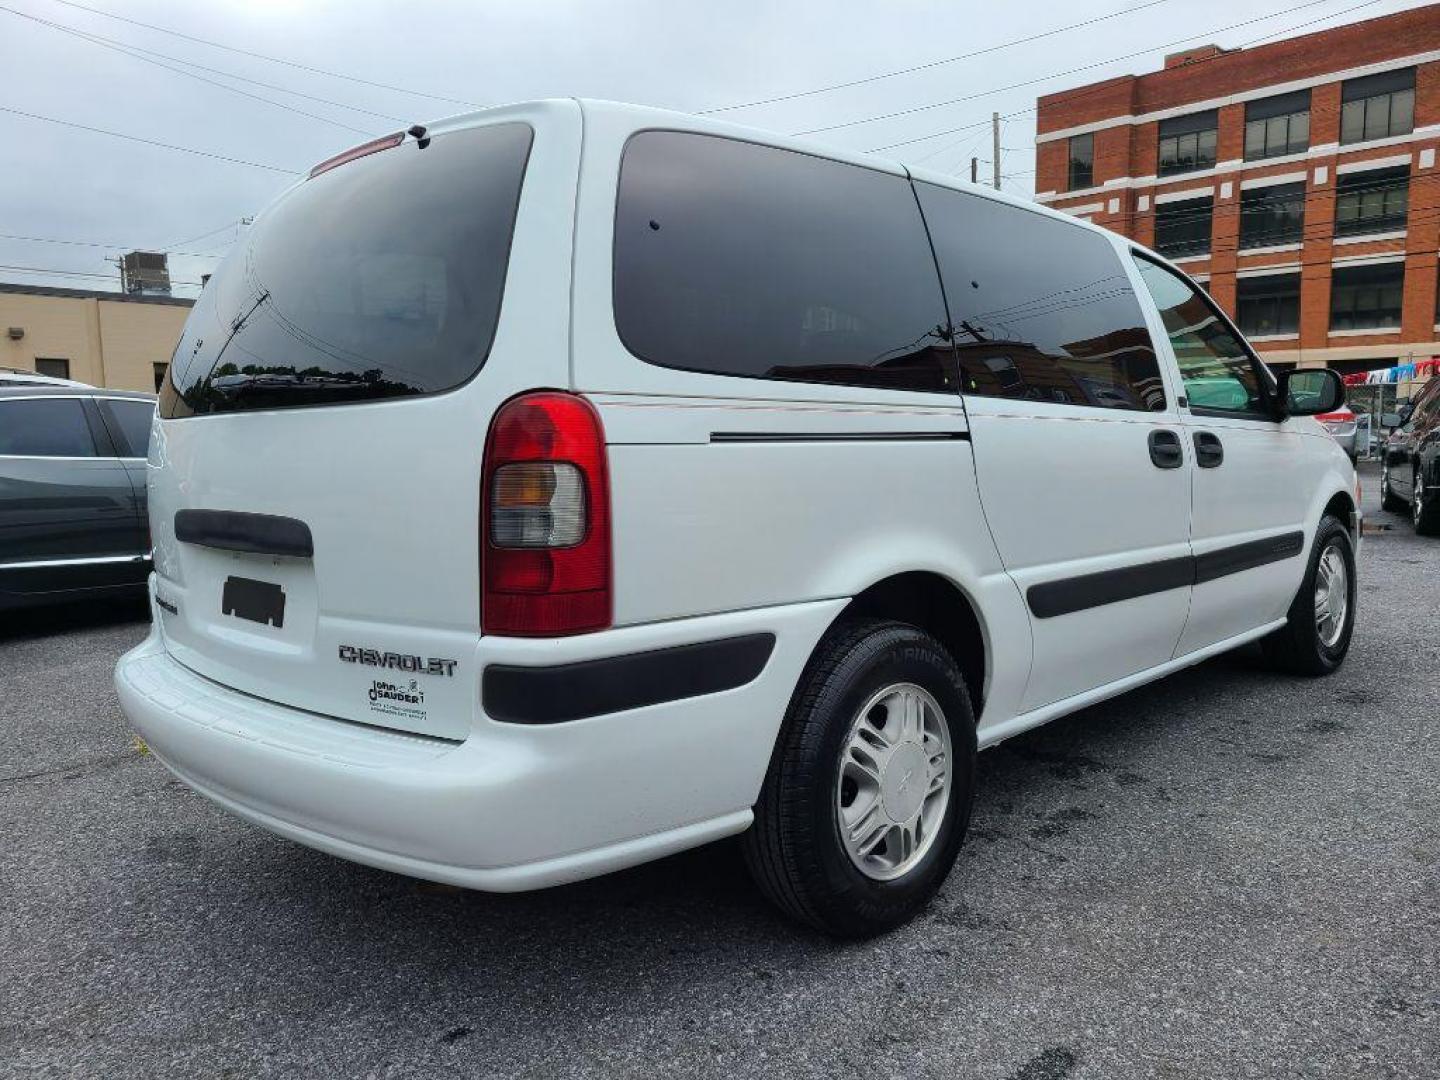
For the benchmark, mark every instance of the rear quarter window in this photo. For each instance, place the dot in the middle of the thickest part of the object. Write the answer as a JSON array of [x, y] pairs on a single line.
[[734, 258], [1042, 309], [129, 423]]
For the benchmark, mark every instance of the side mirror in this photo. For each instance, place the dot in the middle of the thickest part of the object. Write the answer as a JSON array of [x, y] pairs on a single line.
[[1390, 420], [1309, 391]]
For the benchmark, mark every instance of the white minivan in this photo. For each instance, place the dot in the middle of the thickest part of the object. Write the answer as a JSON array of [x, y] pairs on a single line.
[[569, 484]]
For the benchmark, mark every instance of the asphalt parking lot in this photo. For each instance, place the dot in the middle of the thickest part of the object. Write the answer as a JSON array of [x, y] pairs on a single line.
[[1226, 874]]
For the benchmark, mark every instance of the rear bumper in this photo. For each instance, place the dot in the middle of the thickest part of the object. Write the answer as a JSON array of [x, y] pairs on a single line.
[[513, 806]]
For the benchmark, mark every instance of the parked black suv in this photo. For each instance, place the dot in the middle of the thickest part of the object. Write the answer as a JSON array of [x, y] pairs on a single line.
[[1410, 482], [72, 493]]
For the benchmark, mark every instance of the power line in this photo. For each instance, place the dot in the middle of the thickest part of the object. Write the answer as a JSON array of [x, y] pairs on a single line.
[[100, 38], [106, 43], [1084, 91], [102, 244], [77, 273], [931, 64], [149, 142], [968, 140], [1059, 74], [212, 232], [1295, 266], [272, 59], [1236, 205], [1316, 231]]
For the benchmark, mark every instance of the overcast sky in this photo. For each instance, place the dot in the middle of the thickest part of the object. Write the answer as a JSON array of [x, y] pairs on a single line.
[[60, 183]]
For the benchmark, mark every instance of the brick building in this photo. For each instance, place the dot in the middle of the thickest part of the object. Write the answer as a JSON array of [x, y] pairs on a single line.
[[1296, 180]]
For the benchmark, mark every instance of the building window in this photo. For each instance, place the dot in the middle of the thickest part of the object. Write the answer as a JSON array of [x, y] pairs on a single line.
[[54, 366], [1183, 227], [1367, 297], [1272, 215], [1187, 143], [160, 370], [1378, 106], [1268, 305], [1082, 162], [1277, 125], [1372, 202]]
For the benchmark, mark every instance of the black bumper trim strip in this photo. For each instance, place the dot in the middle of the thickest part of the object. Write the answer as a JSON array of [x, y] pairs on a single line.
[[231, 530], [513, 694], [1052, 598]]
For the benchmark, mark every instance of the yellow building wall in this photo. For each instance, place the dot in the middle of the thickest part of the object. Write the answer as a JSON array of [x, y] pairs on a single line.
[[110, 343], [136, 337]]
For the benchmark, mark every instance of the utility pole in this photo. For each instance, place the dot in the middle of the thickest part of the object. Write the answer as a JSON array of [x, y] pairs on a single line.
[[995, 148], [974, 170]]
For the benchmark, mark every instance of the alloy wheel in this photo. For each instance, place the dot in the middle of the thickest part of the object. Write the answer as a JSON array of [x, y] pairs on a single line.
[[894, 783], [1332, 595]]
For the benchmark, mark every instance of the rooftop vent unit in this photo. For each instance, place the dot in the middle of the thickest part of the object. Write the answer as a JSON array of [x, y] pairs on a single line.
[[145, 272], [1194, 55]]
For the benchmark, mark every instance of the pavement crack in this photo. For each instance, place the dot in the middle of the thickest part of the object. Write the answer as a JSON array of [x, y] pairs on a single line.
[[108, 761]]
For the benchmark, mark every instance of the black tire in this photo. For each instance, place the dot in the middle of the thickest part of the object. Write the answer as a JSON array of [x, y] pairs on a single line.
[[794, 850], [1389, 501], [1297, 646], [1424, 508]]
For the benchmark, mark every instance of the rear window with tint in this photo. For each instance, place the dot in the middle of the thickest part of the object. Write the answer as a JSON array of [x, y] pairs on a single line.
[[379, 278], [1043, 310], [45, 427], [734, 258]]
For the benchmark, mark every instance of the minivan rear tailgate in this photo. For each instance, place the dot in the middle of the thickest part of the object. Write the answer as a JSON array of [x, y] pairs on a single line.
[[379, 625], [323, 425]]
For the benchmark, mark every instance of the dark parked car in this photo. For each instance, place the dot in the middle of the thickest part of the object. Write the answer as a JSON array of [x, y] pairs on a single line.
[[1410, 482], [72, 493]]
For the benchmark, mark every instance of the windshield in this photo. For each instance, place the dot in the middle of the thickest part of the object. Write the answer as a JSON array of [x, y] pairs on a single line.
[[379, 278]]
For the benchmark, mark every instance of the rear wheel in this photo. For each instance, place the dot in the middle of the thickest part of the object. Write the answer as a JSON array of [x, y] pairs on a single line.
[[869, 790], [1424, 512], [1388, 499], [1319, 625]]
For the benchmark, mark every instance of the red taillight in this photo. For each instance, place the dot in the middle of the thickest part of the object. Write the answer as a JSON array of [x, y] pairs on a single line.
[[545, 519]]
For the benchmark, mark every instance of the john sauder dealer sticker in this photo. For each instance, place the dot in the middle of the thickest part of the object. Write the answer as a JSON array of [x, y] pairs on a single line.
[[394, 699]]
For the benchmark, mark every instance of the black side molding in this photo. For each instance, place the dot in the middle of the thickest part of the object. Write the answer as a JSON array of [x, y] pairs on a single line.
[[231, 530], [554, 695], [1052, 598], [1232, 560], [1109, 586], [836, 436]]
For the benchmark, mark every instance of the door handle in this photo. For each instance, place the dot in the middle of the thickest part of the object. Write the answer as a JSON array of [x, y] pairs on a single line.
[[1209, 451], [1165, 452]]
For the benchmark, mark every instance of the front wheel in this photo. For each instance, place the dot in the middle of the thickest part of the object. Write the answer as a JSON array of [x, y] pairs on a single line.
[[1424, 512], [1316, 635], [870, 785]]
